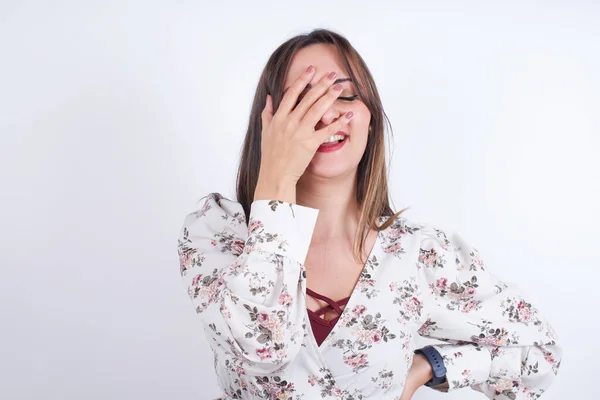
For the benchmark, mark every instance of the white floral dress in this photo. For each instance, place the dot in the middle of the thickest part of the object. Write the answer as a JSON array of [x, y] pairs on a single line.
[[247, 283]]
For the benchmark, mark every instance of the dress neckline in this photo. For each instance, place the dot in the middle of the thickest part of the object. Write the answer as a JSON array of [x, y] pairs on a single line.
[[374, 251], [331, 305]]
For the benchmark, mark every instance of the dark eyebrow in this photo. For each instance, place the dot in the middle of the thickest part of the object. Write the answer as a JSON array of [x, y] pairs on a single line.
[[308, 86]]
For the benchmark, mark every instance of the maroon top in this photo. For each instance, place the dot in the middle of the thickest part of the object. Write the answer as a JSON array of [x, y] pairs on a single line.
[[320, 326]]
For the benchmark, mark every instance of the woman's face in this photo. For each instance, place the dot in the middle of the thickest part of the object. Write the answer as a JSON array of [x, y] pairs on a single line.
[[345, 160]]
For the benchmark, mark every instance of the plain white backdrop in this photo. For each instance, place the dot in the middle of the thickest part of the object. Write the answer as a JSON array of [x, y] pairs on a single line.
[[116, 116]]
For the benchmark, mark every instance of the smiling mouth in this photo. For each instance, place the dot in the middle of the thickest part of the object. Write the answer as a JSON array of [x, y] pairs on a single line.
[[339, 137]]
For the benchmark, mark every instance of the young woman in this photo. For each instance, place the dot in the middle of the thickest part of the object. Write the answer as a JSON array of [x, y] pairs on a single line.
[[309, 286]]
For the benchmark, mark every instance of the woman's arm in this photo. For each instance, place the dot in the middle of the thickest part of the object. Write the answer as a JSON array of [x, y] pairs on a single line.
[[496, 341], [243, 279]]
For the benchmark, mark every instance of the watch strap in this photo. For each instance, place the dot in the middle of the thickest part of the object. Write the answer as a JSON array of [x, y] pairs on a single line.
[[437, 365]]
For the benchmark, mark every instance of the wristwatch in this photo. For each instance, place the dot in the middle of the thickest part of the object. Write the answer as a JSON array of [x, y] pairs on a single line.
[[437, 364]]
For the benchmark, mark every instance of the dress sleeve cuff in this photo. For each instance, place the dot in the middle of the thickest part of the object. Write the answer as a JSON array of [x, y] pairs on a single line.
[[281, 227], [466, 365]]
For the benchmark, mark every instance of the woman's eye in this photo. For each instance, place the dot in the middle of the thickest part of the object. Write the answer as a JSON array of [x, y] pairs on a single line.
[[349, 98], [344, 98]]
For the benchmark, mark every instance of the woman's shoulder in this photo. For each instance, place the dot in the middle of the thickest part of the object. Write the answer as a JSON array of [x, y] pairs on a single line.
[[437, 247], [428, 234]]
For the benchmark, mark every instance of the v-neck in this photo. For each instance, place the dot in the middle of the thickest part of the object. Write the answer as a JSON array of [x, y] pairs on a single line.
[[351, 298], [334, 305]]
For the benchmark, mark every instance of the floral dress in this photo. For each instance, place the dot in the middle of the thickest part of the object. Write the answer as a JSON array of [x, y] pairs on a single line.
[[247, 282]]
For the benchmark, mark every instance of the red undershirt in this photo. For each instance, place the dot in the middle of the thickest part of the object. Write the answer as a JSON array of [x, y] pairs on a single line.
[[320, 326]]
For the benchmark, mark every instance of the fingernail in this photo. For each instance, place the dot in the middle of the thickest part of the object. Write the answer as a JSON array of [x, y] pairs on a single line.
[[310, 69], [349, 114], [332, 75], [337, 86]]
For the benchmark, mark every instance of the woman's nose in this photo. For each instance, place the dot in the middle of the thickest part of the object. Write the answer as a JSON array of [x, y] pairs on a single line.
[[331, 115]]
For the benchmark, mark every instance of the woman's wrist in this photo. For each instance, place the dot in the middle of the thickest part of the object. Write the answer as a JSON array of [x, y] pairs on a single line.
[[420, 373], [275, 190], [424, 370]]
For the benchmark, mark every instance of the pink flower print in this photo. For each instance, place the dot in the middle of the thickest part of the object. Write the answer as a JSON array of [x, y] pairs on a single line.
[[377, 336], [356, 361], [254, 225], [525, 314], [358, 310], [470, 306], [495, 352], [285, 299], [263, 318], [213, 242], [428, 257], [185, 260], [265, 353], [396, 233], [238, 246], [196, 280], [393, 248], [413, 305], [549, 357], [441, 283]]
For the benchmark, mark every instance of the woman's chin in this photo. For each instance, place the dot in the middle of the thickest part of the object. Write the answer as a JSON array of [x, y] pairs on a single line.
[[328, 170]]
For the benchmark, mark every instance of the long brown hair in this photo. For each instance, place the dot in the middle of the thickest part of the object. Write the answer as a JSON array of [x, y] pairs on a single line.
[[372, 188]]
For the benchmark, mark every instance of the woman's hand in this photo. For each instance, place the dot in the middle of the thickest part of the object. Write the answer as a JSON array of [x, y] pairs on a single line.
[[419, 374], [289, 140]]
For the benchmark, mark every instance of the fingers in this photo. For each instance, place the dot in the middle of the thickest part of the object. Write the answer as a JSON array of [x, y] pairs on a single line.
[[290, 98], [340, 125], [315, 113], [313, 95], [267, 113]]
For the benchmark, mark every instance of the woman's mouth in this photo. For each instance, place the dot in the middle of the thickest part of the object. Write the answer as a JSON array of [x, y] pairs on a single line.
[[334, 143]]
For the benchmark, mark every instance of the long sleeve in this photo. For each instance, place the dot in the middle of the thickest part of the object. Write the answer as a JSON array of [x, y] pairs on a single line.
[[244, 279], [492, 338]]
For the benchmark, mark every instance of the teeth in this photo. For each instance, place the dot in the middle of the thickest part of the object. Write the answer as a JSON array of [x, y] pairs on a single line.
[[334, 138]]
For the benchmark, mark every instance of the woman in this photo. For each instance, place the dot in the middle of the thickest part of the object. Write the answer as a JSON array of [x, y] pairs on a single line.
[[322, 293]]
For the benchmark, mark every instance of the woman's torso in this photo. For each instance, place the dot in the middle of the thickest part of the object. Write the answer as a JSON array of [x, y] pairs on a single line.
[[368, 352]]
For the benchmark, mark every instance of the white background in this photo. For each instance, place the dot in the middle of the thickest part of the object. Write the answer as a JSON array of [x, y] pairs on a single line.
[[116, 116]]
